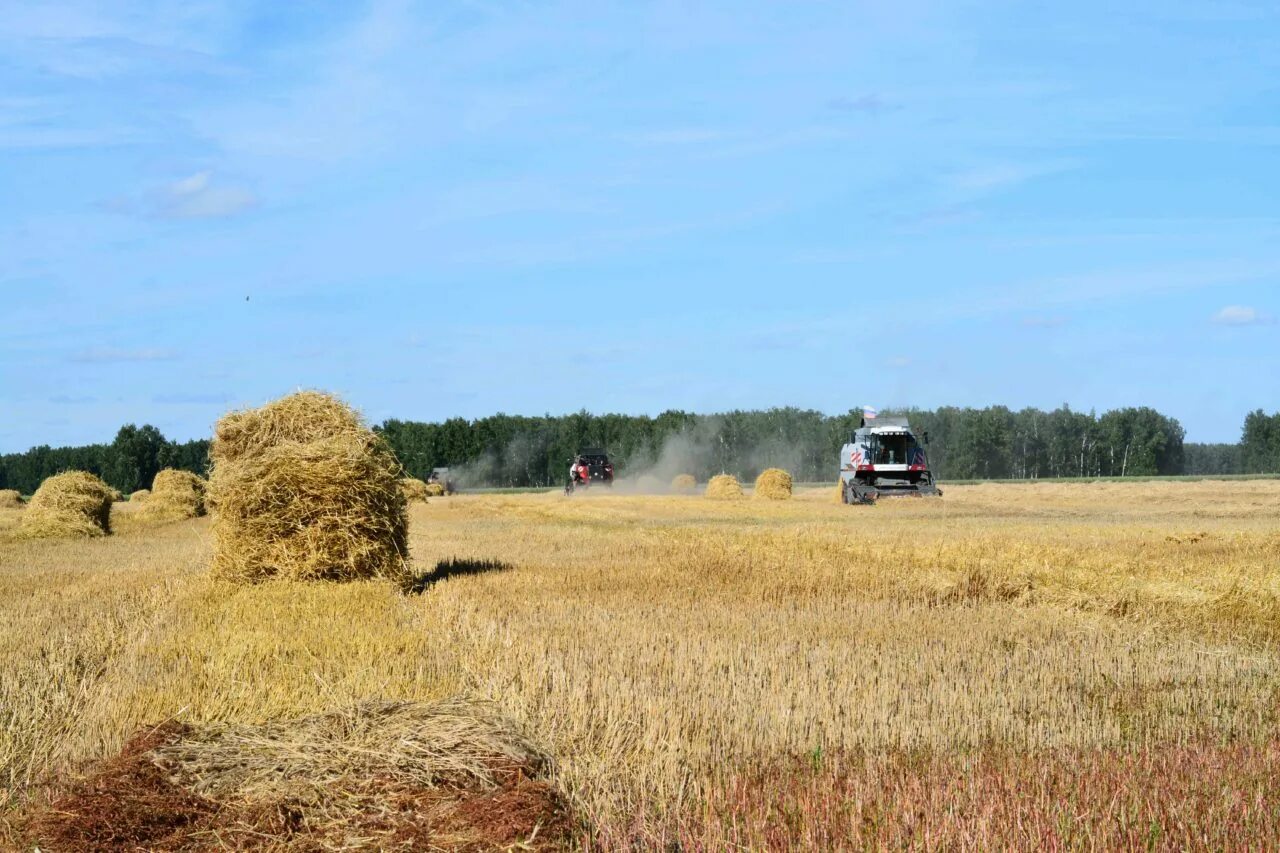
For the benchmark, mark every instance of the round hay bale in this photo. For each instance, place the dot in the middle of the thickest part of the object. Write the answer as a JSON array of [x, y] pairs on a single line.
[[435, 490], [684, 484], [139, 496], [414, 489], [773, 484], [724, 487], [647, 484], [302, 489], [175, 496], [116, 496], [74, 503], [10, 499]]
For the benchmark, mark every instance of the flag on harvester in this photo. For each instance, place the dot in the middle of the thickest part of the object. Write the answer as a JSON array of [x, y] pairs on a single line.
[[869, 413]]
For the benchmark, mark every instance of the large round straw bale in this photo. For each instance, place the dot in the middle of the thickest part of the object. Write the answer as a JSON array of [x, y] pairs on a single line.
[[10, 499], [724, 487], [773, 484], [683, 484], [175, 495], [140, 496], [302, 489], [75, 503], [414, 489]]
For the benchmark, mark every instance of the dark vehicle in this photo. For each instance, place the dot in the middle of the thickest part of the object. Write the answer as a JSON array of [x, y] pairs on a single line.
[[440, 476], [590, 467]]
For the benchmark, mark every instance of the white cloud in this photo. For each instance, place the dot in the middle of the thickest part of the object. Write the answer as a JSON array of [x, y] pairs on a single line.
[[198, 197], [984, 179], [1242, 315], [112, 355], [1041, 321]]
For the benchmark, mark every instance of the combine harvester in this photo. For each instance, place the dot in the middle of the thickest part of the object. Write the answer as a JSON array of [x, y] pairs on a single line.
[[885, 460], [590, 467]]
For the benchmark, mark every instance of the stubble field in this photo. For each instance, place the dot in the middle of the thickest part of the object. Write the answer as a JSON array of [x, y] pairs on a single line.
[[1014, 665]]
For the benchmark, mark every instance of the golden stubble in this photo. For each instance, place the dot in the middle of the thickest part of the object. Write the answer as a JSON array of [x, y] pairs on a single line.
[[653, 643]]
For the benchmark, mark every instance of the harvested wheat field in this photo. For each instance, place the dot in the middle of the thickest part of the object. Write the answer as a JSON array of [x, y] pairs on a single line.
[[1013, 666]]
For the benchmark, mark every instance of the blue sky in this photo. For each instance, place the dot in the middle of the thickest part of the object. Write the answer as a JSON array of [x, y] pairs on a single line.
[[445, 209]]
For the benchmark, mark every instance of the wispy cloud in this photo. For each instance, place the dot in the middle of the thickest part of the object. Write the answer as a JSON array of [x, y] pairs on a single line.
[[1044, 321], [678, 136], [181, 399], [113, 355], [868, 104], [998, 176], [1242, 315], [198, 197]]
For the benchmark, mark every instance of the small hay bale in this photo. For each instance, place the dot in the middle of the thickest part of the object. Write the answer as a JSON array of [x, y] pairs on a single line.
[[302, 489], [116, 496], [139, 496], [413, 489], [773, 484], [74, 503], [175, 496], [684, 484], [647, 484], [435, 490], [10, 499], [724, 487]]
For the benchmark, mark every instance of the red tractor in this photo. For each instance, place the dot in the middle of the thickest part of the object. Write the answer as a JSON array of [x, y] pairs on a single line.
[[590, 467]]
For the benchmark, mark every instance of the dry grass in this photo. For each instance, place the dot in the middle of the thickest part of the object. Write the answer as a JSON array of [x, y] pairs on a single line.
[[687, 647], [773, 484], [302, 489], [74, 503], [724, 487], [175, 496]]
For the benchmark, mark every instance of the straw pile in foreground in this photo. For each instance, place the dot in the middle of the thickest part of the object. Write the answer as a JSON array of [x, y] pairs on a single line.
[[175, 496], [75, 503], [724, 487], [773, 484], [10, 499], [413, 489], [139, 496], [302, 489], [448, 775], [683, 484]]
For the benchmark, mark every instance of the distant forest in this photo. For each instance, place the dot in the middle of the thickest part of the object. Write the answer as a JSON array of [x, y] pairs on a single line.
[[507, 450]]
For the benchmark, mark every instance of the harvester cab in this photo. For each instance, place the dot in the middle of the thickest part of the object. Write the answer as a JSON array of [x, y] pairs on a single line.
[[590, 467], [885, 460]]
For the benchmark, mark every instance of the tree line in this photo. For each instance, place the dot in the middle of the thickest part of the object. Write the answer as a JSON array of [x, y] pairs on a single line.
[[130, 462], [512, 451]]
